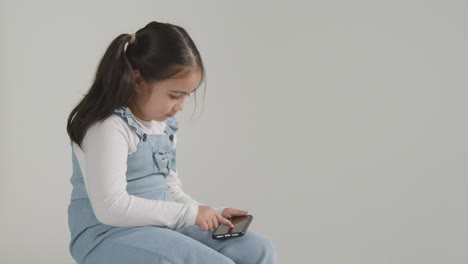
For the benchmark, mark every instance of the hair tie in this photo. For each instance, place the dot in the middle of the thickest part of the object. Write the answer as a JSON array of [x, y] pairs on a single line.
[[133, 39]]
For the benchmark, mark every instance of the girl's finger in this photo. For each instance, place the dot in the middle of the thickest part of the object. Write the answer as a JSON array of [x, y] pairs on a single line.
[[210, 224], [239, 212], [224, 221]]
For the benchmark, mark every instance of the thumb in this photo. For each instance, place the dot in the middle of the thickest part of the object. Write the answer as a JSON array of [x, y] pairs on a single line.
[[242, 212], [224, 221], [237, 212]]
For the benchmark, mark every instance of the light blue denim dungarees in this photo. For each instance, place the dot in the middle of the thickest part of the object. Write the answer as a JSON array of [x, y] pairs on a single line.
[[95, 243]]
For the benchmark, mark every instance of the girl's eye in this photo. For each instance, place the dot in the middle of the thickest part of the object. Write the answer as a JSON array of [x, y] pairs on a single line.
[[174, 97], [178, 97]]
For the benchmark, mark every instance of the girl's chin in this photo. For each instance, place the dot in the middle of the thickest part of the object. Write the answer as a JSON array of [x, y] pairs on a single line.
[[163, 118]]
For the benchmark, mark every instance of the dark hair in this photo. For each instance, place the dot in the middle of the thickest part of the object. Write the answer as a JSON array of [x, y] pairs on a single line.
[[160, 51]]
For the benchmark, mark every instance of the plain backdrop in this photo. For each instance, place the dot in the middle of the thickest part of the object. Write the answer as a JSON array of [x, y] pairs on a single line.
[[340, 125]]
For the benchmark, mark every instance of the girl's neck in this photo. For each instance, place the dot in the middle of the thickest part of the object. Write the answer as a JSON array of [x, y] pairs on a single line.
[[135, 112]]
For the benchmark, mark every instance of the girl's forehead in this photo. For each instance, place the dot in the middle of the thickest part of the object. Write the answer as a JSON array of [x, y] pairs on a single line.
[[186, 83]]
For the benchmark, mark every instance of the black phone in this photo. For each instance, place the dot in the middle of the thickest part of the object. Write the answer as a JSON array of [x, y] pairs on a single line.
[[241, 224]]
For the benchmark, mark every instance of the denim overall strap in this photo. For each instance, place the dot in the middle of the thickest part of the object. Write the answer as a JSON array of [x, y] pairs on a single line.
[[171, 126], [130, 119]]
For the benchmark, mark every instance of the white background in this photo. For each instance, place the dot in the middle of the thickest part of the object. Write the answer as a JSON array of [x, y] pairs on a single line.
[[340, 125]]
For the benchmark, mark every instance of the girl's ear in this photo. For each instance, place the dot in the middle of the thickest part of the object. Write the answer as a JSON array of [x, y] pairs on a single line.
[[138, 80]]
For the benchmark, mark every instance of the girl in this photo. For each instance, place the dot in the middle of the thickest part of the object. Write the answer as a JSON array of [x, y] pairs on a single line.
[[127, 205]]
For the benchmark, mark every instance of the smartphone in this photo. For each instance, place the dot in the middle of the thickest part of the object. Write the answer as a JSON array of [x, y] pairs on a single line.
[[241, 224]]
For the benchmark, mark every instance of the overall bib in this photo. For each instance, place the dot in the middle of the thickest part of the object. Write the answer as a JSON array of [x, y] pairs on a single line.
[[95, 243]]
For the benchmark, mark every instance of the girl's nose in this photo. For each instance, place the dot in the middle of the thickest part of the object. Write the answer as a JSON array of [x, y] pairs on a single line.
[[180, 105]]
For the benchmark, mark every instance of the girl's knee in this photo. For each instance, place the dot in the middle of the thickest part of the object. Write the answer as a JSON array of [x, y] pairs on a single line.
[[267, 251]]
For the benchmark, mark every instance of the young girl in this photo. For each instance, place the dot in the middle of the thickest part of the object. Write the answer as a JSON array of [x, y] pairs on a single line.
[[127, 205]]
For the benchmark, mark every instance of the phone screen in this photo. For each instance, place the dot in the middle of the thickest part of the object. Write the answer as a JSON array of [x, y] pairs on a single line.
[[240, 223]]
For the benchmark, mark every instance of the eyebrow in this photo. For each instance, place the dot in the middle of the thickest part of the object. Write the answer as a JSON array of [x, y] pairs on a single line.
[[182, 92]]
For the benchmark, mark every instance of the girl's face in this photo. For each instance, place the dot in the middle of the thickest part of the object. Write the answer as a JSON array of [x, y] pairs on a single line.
[[161, 100]]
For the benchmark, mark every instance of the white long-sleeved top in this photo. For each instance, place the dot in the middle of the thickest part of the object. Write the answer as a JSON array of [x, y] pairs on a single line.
[[103, 162]]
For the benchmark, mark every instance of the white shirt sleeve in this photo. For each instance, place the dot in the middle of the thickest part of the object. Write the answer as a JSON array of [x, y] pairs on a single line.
[[104, 156]]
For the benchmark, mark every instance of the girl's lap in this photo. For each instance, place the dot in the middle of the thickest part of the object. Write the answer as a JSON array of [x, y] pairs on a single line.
[[152, 244]]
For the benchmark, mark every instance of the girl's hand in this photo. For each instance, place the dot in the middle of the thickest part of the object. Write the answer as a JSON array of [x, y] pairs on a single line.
[[231, 212], [208, 218]]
